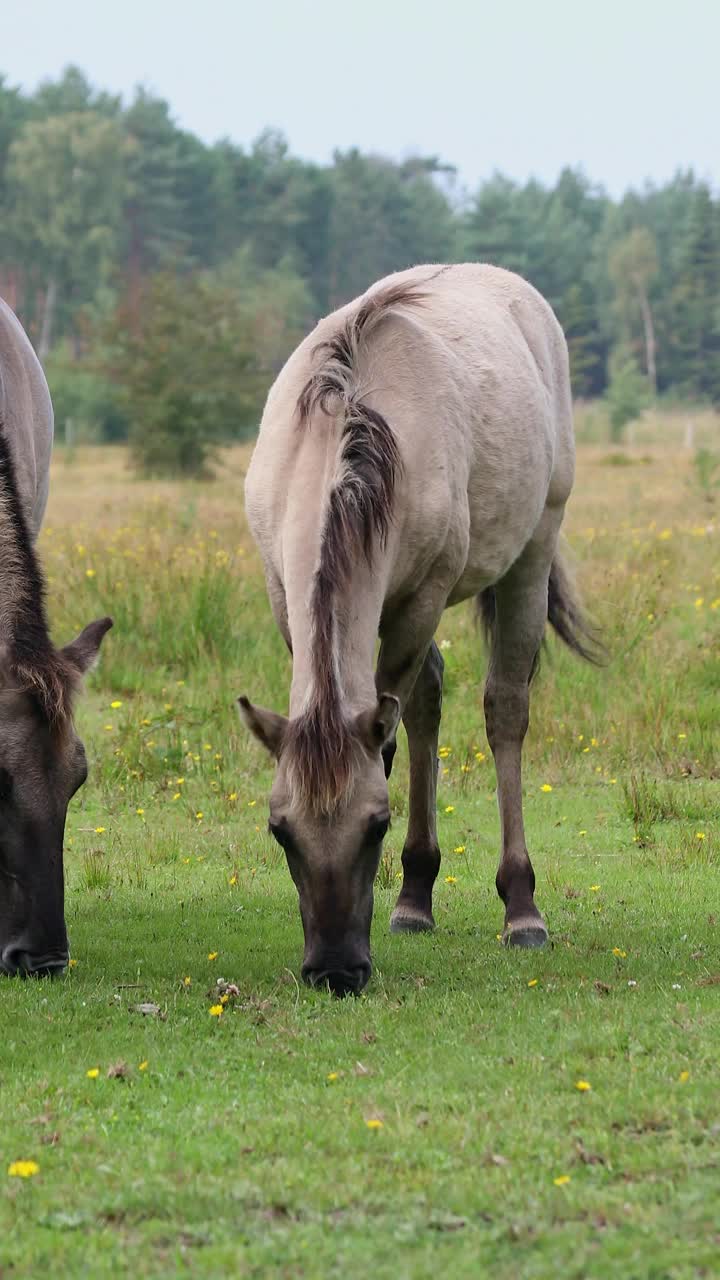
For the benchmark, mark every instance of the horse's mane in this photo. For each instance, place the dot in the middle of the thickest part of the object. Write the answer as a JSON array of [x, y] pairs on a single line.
[[34, 665], [320, 744]]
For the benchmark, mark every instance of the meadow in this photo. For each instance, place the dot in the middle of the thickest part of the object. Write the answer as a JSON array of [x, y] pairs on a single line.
[[187, 1107]]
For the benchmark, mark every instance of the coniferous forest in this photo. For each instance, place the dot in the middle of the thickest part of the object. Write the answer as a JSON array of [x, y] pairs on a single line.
[[159, 275]]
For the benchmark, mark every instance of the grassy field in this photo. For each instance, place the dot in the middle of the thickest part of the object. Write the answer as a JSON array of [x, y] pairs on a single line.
[[436, 1125]]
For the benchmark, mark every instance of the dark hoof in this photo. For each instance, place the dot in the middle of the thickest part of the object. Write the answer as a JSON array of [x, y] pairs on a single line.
[[528, 935], [405, 920]]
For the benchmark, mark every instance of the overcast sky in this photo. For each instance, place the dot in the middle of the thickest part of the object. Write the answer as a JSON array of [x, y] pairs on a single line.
[[626, 89]]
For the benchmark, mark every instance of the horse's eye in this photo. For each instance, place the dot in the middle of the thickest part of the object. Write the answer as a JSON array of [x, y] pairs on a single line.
[[6, 786], [377, 829]]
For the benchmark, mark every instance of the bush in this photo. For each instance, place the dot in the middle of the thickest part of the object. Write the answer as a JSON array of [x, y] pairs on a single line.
[[185, 365], [627, 395]]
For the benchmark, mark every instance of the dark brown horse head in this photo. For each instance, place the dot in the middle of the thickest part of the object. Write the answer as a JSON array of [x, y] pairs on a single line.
[[42, 765], [329, 811]]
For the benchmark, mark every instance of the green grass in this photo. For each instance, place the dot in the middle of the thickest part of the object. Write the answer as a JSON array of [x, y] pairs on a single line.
[[232, 1153]]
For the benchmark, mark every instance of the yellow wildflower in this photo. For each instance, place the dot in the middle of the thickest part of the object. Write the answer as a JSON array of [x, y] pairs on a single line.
[[72, 964], [117, 703], [583, 1086], [232, 880], [89, 573], [562, 1181], [93, 1073], [216, 1011], [533, 982], [332, 1076], [459, 848], [140, 812], [374, 1124], [620, 954], [143, 1066], [23, 1169], [99, 831], [546, 787], [449, 808], [594, 888], [451, 879], [212, 955], [480, 756], [199, 815], [699, 835], [684, 1077], [187, 981]]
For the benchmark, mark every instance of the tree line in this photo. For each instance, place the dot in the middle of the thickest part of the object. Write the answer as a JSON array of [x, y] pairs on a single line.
[[120, 233]]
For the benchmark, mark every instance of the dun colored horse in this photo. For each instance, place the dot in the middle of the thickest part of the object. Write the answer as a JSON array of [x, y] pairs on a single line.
[[42, 760], [416, 450]]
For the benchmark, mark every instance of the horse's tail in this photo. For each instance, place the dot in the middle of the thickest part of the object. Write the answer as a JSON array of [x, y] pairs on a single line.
[[565, 615]]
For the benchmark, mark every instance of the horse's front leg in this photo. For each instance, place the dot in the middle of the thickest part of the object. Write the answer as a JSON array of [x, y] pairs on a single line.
[[421, 717]]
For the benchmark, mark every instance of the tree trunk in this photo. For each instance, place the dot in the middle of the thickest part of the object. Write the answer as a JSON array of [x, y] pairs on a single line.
[[47, 320], [649, 340]]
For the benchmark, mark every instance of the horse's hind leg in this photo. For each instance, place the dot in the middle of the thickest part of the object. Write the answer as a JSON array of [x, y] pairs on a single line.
[[521, 610], [421, 855]]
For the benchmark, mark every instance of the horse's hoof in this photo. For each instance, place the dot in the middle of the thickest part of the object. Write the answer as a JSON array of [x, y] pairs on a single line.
[[405, 920], [528, 935]]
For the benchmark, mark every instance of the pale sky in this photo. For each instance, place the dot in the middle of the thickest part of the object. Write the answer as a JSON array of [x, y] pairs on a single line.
[[625, 89]]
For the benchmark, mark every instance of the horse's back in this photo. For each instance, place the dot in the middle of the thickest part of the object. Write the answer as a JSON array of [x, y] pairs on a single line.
[[26, 416], [472, 377], [475, 384]]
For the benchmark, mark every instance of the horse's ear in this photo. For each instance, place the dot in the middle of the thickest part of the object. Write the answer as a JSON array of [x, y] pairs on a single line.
[[267, 726], [84, 651], [375, 728]]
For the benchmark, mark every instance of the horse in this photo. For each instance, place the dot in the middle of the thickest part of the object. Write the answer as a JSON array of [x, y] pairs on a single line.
[[415, 451], [42, 760]]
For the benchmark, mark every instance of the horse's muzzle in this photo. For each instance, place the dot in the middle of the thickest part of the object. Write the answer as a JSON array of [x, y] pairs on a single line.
[[341, 982], [15, 962]]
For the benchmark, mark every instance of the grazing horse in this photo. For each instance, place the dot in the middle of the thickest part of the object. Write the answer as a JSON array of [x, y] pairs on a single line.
[[416, 450], [42, 760]]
